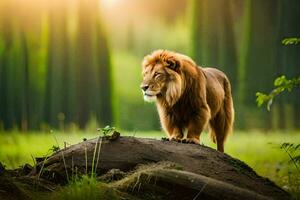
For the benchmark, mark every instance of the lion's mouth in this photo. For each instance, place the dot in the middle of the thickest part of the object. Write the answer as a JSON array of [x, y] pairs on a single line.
[[149, 95]]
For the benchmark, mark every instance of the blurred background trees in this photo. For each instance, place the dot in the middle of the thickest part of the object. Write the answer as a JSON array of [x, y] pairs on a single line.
[[76, 63]]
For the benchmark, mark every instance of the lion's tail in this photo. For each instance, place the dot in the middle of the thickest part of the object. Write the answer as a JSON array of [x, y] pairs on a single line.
[[228, 109], [222, 124]]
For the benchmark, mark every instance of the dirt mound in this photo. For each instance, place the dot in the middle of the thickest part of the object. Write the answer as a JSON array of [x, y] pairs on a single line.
[[197, 170]]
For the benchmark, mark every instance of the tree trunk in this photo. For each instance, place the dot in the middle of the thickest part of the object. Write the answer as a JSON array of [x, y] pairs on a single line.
[[258, 58]]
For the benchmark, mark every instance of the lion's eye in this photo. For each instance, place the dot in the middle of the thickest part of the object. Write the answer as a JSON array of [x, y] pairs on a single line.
[[157, 74]]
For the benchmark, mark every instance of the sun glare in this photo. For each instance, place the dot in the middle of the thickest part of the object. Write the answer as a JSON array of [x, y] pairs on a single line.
[[109, 3]]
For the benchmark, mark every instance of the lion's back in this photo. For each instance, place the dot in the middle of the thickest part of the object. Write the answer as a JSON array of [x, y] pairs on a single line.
[[213, 74], [216, 82]]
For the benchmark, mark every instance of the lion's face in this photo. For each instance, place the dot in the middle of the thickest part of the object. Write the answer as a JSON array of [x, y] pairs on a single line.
[[161, 77], [155, 81]]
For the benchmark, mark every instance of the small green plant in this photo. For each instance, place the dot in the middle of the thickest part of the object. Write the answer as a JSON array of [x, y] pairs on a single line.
[[107, 130], [85, 187], [281, 84], [293, 40], [293, 152], [291, 180], [54, 148]]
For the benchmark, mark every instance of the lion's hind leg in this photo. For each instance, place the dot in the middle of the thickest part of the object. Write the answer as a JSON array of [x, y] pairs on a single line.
[[217, 132], [221, 126]]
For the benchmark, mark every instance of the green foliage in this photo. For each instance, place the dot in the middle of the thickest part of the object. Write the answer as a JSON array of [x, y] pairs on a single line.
[[55, 148], [107, 130], [289, 41], [281, 84], [293, 152], [292, 180], [51, 73]]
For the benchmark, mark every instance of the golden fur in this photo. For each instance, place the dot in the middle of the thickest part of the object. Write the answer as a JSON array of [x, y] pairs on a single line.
[[188, 97]]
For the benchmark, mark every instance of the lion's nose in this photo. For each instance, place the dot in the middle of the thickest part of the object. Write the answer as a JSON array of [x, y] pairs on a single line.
[[144, 87]]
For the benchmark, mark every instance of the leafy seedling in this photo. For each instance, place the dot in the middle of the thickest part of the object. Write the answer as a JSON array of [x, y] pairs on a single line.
[[54, 148], [107, 130]]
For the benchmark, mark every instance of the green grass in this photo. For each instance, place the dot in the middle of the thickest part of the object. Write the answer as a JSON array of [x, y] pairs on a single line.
[[85, 188], [259, 150], [18, 148]]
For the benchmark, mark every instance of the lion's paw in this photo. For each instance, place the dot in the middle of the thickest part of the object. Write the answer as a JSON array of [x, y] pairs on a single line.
[[190, 141], [184, 140], [176, 138]]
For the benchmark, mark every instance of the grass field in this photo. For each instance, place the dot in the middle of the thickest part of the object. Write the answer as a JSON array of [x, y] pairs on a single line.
[[259, 150]]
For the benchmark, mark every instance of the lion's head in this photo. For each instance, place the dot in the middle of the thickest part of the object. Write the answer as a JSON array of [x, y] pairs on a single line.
[[162, 76]]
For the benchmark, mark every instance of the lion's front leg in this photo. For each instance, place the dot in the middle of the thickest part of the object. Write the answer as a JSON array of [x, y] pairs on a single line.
[[174, 134], [193, 137], [196, 126]]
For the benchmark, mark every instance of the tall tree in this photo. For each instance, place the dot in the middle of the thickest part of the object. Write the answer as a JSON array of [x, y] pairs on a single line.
[[14, 75], [213, 36], [56, 100], [105, 78], [228, 60], [198, 30], [289, 63], [205, 32], [94, 76], [6, 44], [86, 75], [25, 102], [258, 57], [18, 67]]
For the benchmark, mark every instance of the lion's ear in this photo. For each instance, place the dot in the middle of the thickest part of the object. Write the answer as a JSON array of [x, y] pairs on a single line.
[[173, 64]]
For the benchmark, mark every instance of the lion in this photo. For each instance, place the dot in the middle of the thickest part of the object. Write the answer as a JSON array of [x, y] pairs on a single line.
[[188, 97]]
